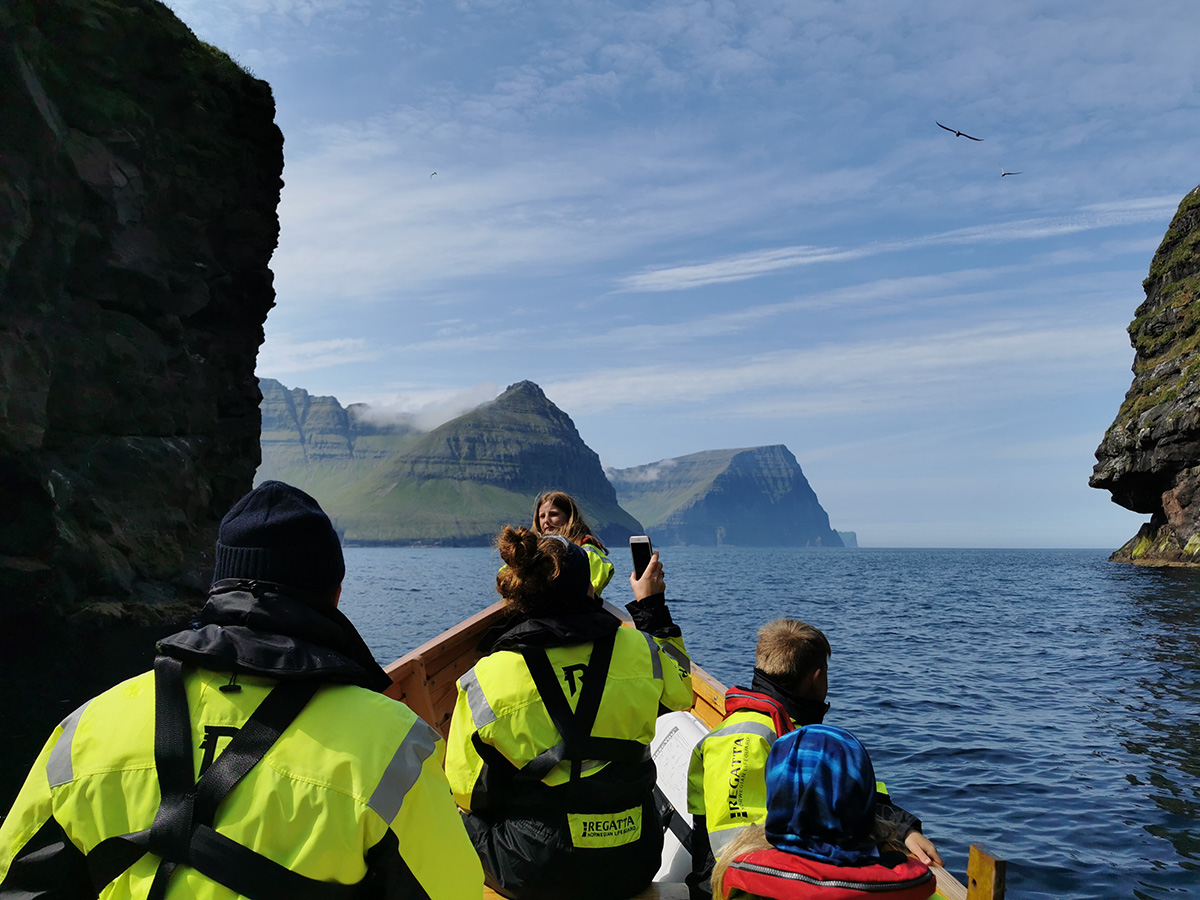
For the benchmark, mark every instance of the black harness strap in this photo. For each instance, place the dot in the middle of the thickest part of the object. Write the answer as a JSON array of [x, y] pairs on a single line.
[[252, 875], [182, 832], [172, 828], [576, 727]]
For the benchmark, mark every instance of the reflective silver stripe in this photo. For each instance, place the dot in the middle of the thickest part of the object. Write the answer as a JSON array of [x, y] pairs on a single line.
[[679, 656], [766, 732], [481, 710], [655, 660], [617, 612], [719, 840], [58, 766], [403, 771]]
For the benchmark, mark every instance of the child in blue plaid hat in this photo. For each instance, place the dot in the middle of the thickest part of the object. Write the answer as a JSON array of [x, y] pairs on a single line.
[[822, 838]]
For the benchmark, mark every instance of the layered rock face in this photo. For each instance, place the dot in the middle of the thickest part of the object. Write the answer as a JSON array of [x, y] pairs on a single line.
[[756, 497], [139, 178], [302, 432], [456, 485], [1150, 456]]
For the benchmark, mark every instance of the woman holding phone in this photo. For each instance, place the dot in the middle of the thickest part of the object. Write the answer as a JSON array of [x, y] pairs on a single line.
[[556, 512], [548, 752]]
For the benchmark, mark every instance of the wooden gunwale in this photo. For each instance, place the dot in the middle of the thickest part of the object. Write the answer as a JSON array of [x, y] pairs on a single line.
[[425, 679]]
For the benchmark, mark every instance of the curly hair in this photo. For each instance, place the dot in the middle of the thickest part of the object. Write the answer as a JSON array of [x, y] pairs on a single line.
[[532, 562]]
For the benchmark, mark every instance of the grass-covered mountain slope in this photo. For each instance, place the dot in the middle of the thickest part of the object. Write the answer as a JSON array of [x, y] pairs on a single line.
[[456, 485]]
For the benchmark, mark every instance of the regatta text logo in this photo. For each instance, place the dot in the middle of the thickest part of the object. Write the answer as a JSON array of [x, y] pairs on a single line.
[[609, 826], [736, 778], [606, 829]]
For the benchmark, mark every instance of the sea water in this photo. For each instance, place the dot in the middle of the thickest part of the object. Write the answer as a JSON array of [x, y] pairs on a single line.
[[1045, 704]]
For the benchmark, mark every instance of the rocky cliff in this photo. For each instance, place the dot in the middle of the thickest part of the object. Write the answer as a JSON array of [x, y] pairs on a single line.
[[303, 435], [1150, 456], [755, 497], [139, 178], [456, 485]]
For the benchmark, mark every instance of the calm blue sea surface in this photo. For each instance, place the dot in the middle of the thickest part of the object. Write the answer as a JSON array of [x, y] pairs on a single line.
[[1043, 703]]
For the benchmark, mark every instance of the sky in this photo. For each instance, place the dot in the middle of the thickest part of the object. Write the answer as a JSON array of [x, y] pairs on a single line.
[[703, 225]]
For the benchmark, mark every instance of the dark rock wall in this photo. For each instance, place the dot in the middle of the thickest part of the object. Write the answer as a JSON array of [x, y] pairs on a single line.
[[139, 178], [1150, 456]]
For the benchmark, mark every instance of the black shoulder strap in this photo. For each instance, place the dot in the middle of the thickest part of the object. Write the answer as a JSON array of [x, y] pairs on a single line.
[[182, 832], [576, 727]]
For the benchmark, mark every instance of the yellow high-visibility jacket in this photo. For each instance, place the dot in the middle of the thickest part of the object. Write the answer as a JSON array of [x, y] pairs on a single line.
[[727, 776], [499, 704], [599, 565], [352, 788], [544, 805]]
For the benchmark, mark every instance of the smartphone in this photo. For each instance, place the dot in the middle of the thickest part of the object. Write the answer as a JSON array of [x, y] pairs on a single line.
[[640, 550]]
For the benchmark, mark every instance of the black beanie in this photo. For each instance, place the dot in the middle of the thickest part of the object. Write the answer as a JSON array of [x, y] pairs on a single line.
[[278, 533]]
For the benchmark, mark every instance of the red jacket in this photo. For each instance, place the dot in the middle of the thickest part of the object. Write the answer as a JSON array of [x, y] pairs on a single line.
[[786, 876]]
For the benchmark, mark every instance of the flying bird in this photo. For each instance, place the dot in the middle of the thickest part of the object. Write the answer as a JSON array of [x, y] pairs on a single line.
[[1003, 173], [956, 132], [431, 174]]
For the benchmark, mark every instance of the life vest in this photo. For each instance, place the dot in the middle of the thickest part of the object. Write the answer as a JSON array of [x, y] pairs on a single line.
[[778, 875], [737, 698], [183, 833]]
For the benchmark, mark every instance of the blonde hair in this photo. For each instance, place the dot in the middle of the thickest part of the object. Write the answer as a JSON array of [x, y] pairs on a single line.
[[790, 649], [532, 562], [754, 838], [748, 841]]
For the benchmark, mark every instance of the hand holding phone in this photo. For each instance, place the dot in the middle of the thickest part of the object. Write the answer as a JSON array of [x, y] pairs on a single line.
[[647, 577]]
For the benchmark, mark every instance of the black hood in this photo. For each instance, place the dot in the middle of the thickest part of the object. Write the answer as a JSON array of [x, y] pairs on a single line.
[[257, 628], [801, 710], [549, 631]]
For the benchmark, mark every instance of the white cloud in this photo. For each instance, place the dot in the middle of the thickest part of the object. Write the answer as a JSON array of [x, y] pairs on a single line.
[[423, 407], [764, 262], [279, 355], [735, 268], [946, 369], [646, 474]]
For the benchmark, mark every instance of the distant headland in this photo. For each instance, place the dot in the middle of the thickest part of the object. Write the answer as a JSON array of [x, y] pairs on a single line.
[[458, 484]]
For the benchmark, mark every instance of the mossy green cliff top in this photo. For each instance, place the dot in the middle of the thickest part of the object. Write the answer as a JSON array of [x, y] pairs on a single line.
[[1150, 456]]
